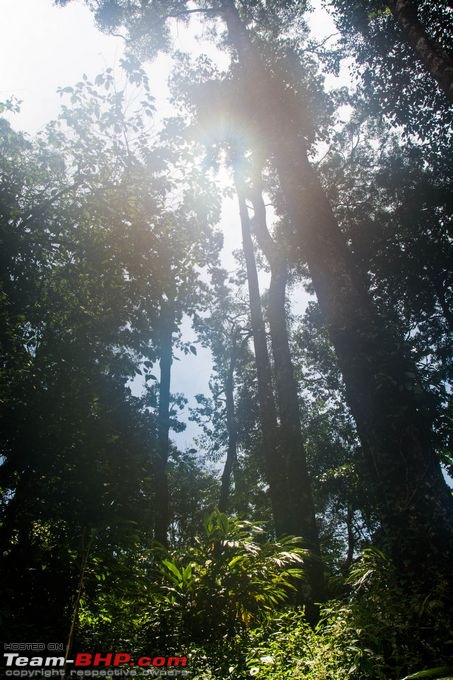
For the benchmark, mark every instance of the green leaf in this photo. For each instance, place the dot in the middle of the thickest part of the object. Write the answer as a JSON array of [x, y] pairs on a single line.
[[434, 673], [171, 566], [235, 560]]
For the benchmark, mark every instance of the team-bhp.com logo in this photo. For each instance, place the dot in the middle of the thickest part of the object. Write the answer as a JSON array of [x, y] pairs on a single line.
[[84, 660]]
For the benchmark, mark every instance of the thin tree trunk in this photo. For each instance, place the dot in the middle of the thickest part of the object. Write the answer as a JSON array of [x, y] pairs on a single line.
[[231, 458], [301, 510], [351, 539], [162, 510], [273, 460], [390, 410], [289, 489], [434, 59], [87, 541]]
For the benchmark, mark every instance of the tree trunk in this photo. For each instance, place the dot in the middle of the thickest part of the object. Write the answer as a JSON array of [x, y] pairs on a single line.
[[87, 541], [289, 488], [390, 410], [273, 460], [301, 510], [162, 510], [434, 59], [351, 539], [231, 458]]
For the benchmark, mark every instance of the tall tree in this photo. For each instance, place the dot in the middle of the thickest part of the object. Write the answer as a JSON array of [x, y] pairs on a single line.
[[76, 446], [393, 203], [85, 218], [380, 380], [403, 56], [298, 483], [166, 328], [228, 418], [273, 457], [434, 57], [299, 509], [392, 415], [225, 332]]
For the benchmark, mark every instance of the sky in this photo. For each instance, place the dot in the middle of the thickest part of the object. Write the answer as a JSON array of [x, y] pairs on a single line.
[[44, 47]]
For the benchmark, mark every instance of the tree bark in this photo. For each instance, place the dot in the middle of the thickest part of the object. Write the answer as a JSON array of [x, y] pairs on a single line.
[[351, 539], [87, 541], [390, 410], [162, 510], [435, 60], [289, 488], [231, 458], [273, 460], [392, 414], [301, 510]]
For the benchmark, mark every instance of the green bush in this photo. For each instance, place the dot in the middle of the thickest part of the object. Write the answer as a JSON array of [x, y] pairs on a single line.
[[227, 581], [376, 633], [223, 601]]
